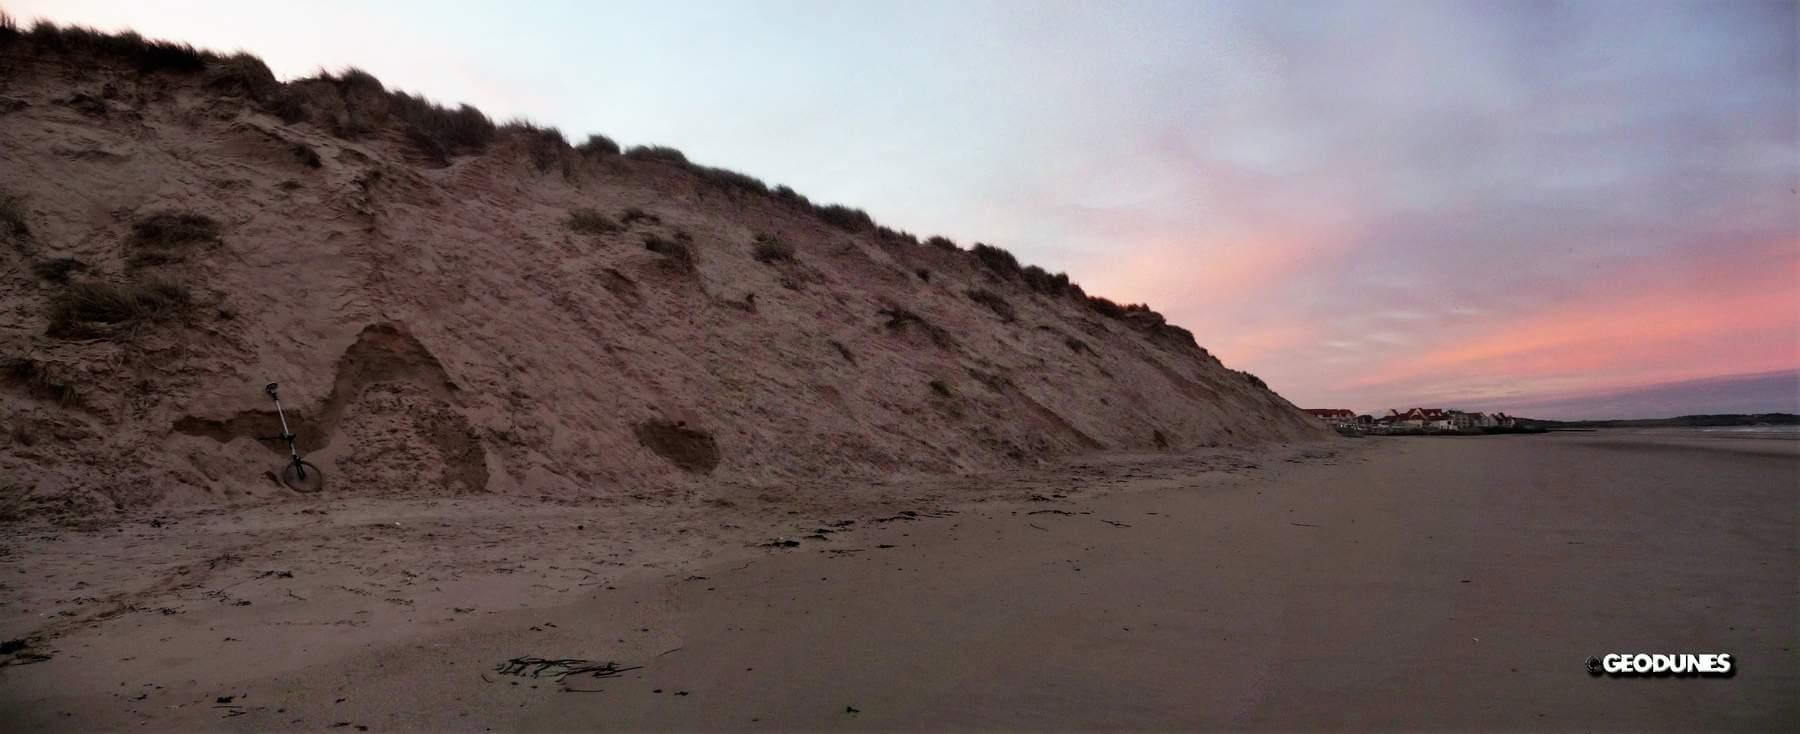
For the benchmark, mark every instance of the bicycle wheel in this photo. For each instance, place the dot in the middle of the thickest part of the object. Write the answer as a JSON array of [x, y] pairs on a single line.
[[302, 476]]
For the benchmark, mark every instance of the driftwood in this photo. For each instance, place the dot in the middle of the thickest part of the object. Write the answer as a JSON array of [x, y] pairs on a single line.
[[530, 667], [912, 515]]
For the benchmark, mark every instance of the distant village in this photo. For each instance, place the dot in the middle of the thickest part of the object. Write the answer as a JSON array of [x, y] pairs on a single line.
[[1417, 421]]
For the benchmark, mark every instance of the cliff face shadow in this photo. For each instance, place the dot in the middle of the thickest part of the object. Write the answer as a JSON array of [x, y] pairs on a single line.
[[411, 387]]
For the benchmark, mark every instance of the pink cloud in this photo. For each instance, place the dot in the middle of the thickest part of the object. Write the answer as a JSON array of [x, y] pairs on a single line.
[[1672, 318]]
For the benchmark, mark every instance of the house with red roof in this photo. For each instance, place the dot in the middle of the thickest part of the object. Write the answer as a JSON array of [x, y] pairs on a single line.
[[1422, 418]]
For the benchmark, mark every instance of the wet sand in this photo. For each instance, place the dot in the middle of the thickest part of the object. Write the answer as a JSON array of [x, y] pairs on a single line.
[[1416, 583]]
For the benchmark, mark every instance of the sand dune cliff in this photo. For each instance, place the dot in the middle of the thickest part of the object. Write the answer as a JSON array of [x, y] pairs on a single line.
[[464, 308]]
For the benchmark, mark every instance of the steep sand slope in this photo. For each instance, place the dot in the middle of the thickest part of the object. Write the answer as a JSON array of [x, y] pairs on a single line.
[[438, 325]]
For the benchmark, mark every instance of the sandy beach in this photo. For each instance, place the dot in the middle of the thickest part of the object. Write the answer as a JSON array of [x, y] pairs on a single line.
[[1382, 583], [376, 387]]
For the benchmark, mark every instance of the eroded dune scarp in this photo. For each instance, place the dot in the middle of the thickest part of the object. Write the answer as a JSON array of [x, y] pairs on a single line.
[[578, 321], [383, 355]]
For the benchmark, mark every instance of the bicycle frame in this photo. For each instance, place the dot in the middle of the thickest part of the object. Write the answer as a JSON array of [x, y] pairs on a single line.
[[286, 433], [307, 478], [293, 450]]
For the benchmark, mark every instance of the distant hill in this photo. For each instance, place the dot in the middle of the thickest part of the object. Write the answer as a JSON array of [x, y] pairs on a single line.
[[454, 305], [1682, 421]]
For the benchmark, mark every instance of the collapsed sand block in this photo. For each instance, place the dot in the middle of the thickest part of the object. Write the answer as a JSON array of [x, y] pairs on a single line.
[[397, 406]]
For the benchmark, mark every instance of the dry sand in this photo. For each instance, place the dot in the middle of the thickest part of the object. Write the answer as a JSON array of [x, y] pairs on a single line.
[[1418, 583]]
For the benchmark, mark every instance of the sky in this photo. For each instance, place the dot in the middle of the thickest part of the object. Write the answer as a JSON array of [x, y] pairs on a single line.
[[1519, 206]]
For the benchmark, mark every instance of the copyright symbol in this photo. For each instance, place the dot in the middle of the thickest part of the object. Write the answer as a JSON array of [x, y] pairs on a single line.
[[1593, 666]]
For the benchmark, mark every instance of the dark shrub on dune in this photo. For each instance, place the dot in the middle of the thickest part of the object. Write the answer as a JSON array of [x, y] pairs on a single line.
[[994, 303], [890, 234], [591, 222], [845, 218], [1178, 335], [354, 103], [455, 131], [662, 153], [544, 145], [169, 229], [167, 56], [145, 55], [770, 249], [289, 107], [1042, 281], [244, 75], [791, 196], [167, 237], [57, 269], [357, 80], [75, 311], [428, 146], [1141, 316], [733, 181], [1106, 307], [632, 215], [680, 255], [366, 102], [598, 145], [1000, 261]]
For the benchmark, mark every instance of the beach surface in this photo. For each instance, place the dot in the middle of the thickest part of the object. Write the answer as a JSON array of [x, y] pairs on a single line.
[[1418, 583]]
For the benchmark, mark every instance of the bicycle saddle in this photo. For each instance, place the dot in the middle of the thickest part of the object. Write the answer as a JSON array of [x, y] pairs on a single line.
[[270, 389]]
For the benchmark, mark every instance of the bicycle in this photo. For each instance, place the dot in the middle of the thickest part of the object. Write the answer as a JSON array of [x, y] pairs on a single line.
[[298, 474]]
